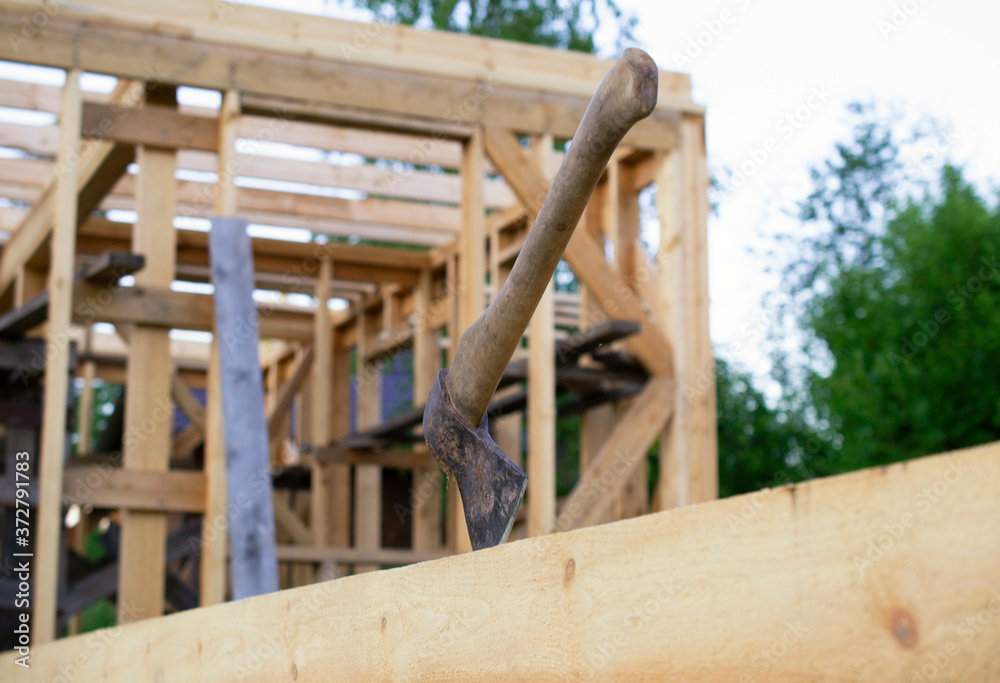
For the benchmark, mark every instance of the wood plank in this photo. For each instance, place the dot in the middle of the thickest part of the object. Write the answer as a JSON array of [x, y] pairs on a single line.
[[288, 522], [704, 463], [800, 589], [542, 392], [425, 491], [100, 165], [62, 221], [155, 125], [187, 401], [621, 454], [133, 45], [367, 478], [286, 393], [254, 566], [168, 309], [322, 396], [148, 413], [674, 486], [105, 487]]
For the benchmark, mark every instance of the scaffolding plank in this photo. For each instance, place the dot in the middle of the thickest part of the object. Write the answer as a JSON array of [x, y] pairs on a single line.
[[254, 565]]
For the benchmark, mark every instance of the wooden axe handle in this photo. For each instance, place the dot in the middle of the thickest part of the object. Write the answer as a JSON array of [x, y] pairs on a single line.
[[626, 95]]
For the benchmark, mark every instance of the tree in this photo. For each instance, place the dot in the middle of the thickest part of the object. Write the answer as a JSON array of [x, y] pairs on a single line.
[[915, 333], [892, 293], [567, 24]]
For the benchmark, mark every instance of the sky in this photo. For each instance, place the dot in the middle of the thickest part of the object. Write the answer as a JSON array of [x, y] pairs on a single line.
[[754, 63], [775, 76]]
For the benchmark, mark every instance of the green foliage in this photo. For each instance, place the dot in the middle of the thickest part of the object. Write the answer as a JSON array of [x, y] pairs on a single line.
[[914, 333], [758, 445], [567, 24]]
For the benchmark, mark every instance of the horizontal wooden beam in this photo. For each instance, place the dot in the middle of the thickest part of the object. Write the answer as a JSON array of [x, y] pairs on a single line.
[[152, 125], [274, 53], [885, 574], [165, 308], [110, 488]]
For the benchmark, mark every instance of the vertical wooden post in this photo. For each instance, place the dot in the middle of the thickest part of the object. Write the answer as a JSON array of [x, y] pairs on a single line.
[[88, 373], [596, 424], [367, 478], [339, 413], [148, 410], [215, 527], [254, 562], [472, 264], [426, 488], [674, 487], [322, 385], [634, 498], [700, 393], [53, 439], [542, 395]]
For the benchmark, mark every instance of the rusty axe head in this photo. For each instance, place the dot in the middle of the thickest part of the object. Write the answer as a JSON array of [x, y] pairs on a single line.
[[491, 485]]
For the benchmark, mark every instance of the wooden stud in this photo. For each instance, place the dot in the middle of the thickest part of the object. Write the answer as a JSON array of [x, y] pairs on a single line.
[[215, 535], [704, 461], [148, 414], [368, 478], [322, 397], [425, 491], [254, 566], [674, 486], [53, 438], [542, 395]]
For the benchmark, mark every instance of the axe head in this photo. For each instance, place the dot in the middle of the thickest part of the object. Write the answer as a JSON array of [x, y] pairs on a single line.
[[491, 485]]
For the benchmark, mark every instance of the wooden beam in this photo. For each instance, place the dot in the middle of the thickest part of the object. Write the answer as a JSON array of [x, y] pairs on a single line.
[[367, 478], [155, 125], [850, 578], [212, 564], [472, 271], [322, 396], [186, 401], [147, 448], [63, 207], [705, 460], [283, 62], [108, 488], [253, 567], [288, 522], [287, 391], [542, 393], [425, 491], [165, 309], [95, 171], [621, 454]]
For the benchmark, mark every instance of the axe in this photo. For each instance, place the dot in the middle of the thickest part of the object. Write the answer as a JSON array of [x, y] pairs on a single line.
[[455, 417]]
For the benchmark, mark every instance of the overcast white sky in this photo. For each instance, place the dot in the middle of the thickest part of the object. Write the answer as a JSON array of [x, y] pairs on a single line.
[[942, 58]]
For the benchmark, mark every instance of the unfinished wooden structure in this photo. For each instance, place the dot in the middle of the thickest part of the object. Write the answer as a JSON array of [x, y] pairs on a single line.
[[405, 168]]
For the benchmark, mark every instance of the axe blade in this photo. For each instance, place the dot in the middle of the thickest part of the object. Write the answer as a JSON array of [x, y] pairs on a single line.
[[491, 485]]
